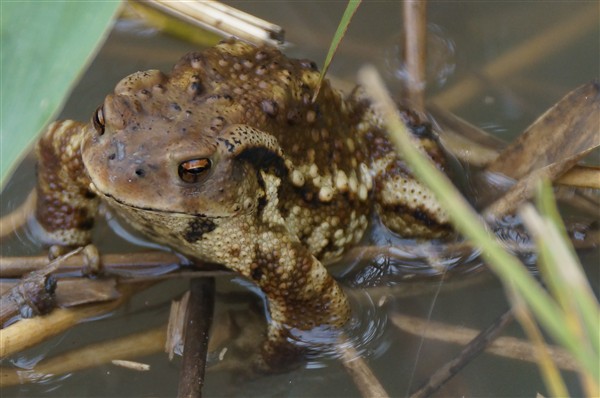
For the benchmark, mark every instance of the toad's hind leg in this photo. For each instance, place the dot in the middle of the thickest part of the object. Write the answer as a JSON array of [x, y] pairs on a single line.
[[404, 204]]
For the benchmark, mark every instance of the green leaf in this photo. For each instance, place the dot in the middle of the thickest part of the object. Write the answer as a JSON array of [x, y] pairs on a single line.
[[337, 38], [45, 47]]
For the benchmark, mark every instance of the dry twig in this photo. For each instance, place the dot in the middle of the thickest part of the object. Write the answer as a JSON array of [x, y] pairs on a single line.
[[470, 352], [30, 332], [77, 291], [571, 125], [198, 320], [213, 16], [566, 130], [361, 373], [508, 347], [13, 267], [581, 177], [415, 56], [33, 295], [176, 325], [132, 346]]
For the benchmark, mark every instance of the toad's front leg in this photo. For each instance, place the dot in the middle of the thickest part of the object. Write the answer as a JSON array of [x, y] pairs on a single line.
[[66, 206], [300, 291], [302, 294]]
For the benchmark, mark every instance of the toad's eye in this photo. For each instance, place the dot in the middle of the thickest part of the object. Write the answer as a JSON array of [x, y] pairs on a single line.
[[193, 170], [98, 120]]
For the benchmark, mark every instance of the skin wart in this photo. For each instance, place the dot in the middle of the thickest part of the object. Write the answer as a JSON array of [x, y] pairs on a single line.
[[227, 159]]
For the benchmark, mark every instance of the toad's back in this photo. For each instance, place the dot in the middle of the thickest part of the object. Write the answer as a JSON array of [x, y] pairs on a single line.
[[325, 191]]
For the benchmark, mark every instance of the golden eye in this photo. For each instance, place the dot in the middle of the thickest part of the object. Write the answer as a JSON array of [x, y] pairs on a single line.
[[98, 120], [193, 170]]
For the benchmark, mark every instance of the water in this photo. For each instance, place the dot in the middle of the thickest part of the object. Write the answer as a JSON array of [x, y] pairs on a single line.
[[379, 286]]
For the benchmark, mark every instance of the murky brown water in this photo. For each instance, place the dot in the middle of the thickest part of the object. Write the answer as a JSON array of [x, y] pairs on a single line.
[[479, 33]]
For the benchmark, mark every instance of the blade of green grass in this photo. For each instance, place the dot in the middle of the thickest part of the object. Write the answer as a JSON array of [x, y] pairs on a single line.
[[45, 47], [566, 276], [548, 369], [562, 273], [468, 223], [337, 38]]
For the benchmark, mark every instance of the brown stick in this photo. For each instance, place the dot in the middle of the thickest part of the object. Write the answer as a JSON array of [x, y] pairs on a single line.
[[198, 321], [476, 147], [71, 292], [415, 47], [13, 267], [573, 122], [361, 373], [581, 177], [32, 296], [29, 332], [566, 130], [548, 369], [471, 351], [505, 346], [132, 346]]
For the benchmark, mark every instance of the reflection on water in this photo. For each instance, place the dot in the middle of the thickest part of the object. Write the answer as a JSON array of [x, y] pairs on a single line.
[[388, 274], [386, 259]]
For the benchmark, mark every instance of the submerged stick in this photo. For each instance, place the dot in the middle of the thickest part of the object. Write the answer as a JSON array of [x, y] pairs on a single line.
[[132, 346], [198, 317], [508, 347], [470, 352], [361, 373], [548, 369]]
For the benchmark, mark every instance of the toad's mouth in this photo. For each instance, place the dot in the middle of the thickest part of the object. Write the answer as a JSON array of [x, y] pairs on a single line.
[[114, 200]]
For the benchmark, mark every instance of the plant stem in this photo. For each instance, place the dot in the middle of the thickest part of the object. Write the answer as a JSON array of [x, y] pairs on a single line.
[[13, 267], [468, 222], [132, 346], [470, 352], [198, 320], [415, 56]]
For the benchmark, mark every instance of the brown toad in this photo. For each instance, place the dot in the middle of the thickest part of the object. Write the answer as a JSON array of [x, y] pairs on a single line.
[[229, 160]]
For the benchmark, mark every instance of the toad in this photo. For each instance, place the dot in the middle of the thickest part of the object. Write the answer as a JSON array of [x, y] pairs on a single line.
[[228, 159]]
